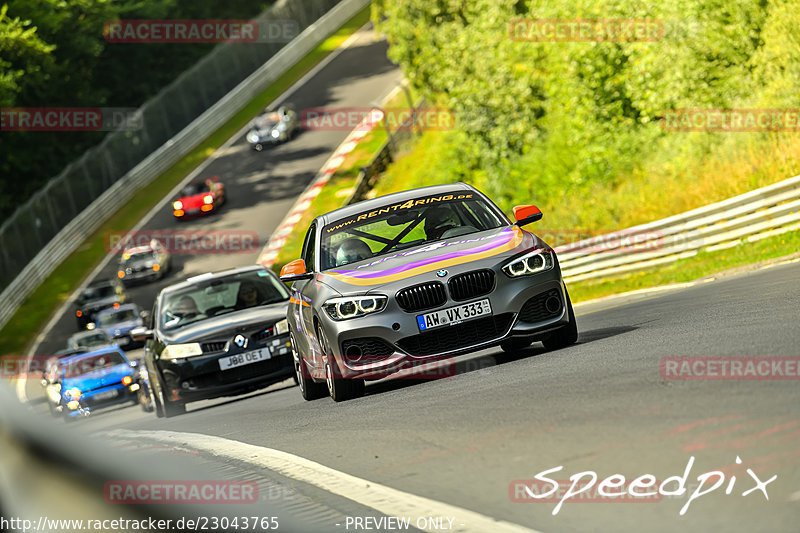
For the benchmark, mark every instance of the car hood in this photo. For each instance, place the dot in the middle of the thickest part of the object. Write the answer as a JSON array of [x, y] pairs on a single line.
[[483, 249], [193, 201], [212, 327], [100, 302], [99, 378]]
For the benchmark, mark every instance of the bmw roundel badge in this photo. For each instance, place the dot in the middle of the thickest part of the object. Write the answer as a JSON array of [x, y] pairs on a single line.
[[442, 273]]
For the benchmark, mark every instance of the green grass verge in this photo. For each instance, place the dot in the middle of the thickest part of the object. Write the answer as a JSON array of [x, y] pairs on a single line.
[[34, 312], [692, 268]]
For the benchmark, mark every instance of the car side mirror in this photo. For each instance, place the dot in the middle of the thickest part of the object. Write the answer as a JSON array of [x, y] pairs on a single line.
[[525, 214], [141, 334], [295, 271], [145, 315]]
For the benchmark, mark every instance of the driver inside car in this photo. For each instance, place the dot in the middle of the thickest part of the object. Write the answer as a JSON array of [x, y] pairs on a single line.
[[247, 295], [438, 220], [352, 250]]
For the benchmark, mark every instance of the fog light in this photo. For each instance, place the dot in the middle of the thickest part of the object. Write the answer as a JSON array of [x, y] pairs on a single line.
[[73, 405]]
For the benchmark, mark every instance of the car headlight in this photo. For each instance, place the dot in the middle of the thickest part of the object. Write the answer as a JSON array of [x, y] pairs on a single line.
[[179, 351], [532, 263], [354, 306], [208, 199], [252, 137], [177, 205], [281, 327], [275, 134], [73, 394]]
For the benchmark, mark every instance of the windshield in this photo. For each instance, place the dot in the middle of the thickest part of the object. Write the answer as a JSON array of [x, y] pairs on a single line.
[[116, 317], [194, 188], [403, 225], [97, 293], [138, 257], [218, 296], [95, 339], [86, 365]]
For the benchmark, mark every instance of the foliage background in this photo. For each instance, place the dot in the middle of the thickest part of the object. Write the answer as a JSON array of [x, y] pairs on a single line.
[[574, 126], [53, 54]]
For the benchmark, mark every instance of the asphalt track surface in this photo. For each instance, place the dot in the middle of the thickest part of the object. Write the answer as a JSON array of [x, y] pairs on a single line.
[[601, 405]]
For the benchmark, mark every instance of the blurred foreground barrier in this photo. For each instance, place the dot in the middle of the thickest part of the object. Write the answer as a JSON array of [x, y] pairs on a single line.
[[49, 227], [771, 210]]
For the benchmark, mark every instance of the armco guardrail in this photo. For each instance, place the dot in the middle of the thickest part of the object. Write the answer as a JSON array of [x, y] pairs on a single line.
[[76, 230], [764, 212]]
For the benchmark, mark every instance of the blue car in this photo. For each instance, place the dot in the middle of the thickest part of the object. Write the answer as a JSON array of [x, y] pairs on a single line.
[[92, 380], [118, 321]]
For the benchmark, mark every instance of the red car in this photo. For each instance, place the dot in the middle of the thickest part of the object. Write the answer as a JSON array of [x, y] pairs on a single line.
[[199, 197]]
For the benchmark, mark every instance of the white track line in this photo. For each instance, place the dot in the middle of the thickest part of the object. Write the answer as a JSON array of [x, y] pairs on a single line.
[[22, 382], [386, 500]]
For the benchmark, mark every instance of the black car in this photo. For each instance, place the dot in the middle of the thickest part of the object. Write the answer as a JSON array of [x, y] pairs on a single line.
[[217, 334], [96, 297], [273, 128]]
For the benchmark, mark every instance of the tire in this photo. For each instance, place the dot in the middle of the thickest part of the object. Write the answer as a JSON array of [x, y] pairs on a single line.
[[339, 388], [173, 409], [308, 388], [563, 337], [145, 398]]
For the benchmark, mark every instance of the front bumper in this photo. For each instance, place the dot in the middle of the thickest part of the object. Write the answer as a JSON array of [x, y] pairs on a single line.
[[201, 378], [97, 399], [522, 308]]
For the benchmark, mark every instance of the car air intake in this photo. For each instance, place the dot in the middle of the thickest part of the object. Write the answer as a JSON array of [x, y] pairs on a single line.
[[208, 347], [366, 350], [422, 296], [471, 284], [541, 307], [450, 338]]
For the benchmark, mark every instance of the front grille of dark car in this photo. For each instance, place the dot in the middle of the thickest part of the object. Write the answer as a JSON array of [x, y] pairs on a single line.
[[366, 350], [209, 347], [535, 309], [422, 296], [449, 338], [243, 373], [471, 284]]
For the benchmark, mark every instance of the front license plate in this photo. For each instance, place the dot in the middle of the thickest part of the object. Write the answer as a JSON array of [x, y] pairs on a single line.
[[105, 395], [454, 315], [262, 354]]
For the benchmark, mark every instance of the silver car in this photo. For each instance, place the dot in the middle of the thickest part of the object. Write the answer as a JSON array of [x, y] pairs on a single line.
[[414, 277]]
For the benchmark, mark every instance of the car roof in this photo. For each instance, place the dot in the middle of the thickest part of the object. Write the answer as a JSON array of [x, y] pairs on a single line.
[[138, 250], [188, 282], [397, 197], [99, 351], [87, 333]]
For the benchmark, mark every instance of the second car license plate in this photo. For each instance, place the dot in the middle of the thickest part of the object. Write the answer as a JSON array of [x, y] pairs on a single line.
[[106, 395], [246, 358], [454, 315]]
